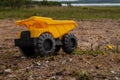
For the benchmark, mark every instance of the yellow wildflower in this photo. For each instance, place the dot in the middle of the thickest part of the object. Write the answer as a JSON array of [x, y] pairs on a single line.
[[110, 47]]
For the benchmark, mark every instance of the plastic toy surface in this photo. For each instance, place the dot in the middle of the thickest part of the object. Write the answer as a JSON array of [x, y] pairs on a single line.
[[46, 36]]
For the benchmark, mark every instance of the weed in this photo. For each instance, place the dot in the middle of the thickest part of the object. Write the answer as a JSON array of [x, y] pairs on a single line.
[[78, 51], [84, 75], [117, 49], [118, 59], [51, 58], [14, 68], [8, 53], [74, 73]]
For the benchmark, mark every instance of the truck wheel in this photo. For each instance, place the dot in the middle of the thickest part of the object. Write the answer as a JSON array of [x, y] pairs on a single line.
[[27, 51], [46, 44], [69, 43]]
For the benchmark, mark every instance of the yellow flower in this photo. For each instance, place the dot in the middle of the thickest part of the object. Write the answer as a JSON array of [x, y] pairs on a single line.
[[110, 47]]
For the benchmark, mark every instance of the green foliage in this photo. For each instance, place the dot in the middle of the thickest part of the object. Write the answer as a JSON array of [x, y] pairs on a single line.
[[74, 73], [76, 13], [26, 3], [84, 75], [116, 49], [94, 52], [12, 3], [79, 51], [14, 68], [49, 3], [90, 52]]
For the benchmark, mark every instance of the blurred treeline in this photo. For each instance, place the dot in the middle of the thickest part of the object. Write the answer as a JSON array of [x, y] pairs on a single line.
[[27, 3]]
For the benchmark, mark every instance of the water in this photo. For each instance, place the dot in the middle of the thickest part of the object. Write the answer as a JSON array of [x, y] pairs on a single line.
[[93, 4]]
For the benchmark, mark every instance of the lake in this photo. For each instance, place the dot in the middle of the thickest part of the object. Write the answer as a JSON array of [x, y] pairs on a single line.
[[92, 4]]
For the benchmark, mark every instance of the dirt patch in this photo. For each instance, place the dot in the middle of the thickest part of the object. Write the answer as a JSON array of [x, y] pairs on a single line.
[[14, 66]]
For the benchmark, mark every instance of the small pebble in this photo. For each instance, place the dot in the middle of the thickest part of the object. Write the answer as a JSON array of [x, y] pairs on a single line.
[[113, 72], [8, 71]]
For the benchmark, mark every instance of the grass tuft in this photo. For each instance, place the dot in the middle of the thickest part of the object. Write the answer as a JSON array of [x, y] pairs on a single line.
[[84, 75]]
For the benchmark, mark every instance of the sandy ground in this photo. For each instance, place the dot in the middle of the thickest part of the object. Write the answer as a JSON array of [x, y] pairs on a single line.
[[14, 66]]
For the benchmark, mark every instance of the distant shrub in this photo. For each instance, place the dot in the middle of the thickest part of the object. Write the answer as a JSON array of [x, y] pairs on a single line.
[[49, 3], [12, 3], [24, 3]]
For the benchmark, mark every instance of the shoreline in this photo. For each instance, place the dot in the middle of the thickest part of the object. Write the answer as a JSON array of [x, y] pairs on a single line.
[[92, 4]]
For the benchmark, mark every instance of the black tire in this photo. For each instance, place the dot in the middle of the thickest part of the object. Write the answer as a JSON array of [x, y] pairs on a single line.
[[69, 43], [27, 51], [46, 44]]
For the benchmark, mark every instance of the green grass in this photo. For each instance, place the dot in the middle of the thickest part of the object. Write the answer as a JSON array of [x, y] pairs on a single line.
[[75, 13]]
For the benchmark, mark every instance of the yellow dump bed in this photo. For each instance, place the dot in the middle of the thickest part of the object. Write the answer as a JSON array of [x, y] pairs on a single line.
[[38, 25]]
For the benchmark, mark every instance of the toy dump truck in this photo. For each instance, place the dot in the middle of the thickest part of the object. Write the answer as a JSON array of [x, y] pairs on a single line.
[[46, 36]]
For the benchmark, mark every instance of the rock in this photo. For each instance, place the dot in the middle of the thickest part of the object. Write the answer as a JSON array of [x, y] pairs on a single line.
[[116, 78], [11, 76], [59, 73], [38, 63], [85, 44], [113, 72], [46, 62], [52, 78], [63, 62], [28, 68], [70, 60], [23, 57], [7, 71], [94, 46]]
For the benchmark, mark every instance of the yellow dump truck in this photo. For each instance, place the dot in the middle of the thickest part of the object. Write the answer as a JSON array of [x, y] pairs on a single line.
[[46, 36]]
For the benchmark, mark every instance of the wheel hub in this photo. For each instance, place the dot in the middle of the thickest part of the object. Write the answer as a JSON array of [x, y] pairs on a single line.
[[47, 45]]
